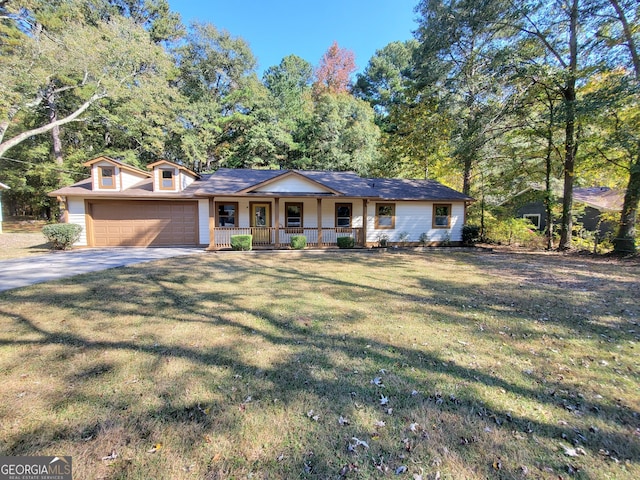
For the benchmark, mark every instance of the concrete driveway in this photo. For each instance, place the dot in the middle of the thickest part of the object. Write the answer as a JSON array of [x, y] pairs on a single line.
[[21, 272]]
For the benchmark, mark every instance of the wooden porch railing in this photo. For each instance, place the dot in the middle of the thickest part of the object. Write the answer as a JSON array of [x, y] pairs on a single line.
[[266, 236]]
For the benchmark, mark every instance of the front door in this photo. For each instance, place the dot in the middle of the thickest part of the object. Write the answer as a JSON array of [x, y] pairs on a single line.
[[261, 223]]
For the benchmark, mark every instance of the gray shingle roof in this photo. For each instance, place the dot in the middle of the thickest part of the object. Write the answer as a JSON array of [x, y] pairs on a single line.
[[234, 182], [227, 181], [602, 198], [407, 189]]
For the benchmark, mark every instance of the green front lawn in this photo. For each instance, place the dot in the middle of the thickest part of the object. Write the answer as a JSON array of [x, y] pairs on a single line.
[[335, 365]]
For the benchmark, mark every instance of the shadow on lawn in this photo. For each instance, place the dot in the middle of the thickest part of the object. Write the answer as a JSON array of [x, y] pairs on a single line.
[[185, 294]]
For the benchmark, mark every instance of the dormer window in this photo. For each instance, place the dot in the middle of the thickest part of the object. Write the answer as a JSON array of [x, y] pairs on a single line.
[[167, 180], [107, 177]]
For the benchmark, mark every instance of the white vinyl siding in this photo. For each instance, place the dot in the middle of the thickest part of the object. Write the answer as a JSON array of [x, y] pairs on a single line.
[[76, 214], [185, 180], [203, 221], [123, 178], [415, 218], [292, 184], [128, 179]]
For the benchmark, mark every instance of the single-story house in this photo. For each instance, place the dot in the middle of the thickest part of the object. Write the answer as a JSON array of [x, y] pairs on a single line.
[[170, 205], [595, 201], [2, 187]]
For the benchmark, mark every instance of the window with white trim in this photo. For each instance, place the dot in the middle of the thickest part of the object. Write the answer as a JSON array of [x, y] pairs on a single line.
[[533, 218]]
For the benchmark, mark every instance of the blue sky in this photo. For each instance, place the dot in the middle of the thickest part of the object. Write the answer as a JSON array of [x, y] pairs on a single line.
[[277, 28]]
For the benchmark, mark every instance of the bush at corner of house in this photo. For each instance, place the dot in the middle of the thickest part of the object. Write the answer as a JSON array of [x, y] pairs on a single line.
[[346, 242], [470, 234], [298, 242], [62, 236], [241, 242]]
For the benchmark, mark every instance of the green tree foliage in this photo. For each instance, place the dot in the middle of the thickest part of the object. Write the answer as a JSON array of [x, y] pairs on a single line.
[[385, 80], [95, 78], [342, 134], [216, 76], [289, 85], [621, 32], [456, 61]]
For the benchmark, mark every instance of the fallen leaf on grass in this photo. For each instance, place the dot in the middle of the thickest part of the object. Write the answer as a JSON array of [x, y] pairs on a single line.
[[352, 467], [377, 381], [573, 452], [381, 466], [112, 456], [358, 443], [155, 448]]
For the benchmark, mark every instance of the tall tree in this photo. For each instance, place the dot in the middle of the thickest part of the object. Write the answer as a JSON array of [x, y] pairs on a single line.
[[333, 75], [86, 64], [341, 134], [555, 28], [623, 30], [289, 85], [385, 80], [216, 72], [458, 42]]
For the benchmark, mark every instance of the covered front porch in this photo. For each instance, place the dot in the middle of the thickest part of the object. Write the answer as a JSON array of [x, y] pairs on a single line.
[[273, 221], [275, 237]]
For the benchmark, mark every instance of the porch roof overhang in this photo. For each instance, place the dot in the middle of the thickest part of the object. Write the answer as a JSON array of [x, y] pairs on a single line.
[[288, 195], [290, 173]]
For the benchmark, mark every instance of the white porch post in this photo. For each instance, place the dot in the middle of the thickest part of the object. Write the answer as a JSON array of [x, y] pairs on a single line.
[[319, 207]]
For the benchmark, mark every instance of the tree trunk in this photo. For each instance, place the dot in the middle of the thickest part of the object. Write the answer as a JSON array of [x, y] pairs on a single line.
[[12, 142], [625, 243], [548, 195], [466, 185], [571, 146], [55, 131]]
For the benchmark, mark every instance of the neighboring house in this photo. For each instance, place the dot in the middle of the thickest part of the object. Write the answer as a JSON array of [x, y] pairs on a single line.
[[170, 205], [595, 200], [2, 187]]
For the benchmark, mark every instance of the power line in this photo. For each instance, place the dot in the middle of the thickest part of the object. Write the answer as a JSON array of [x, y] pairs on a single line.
[[36, 164]]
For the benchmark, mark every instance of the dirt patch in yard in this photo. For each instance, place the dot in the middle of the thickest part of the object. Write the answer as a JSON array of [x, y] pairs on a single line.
[[16, 245]]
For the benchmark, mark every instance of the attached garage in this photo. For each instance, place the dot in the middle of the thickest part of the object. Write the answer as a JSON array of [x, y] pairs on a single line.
[[131, 223]]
